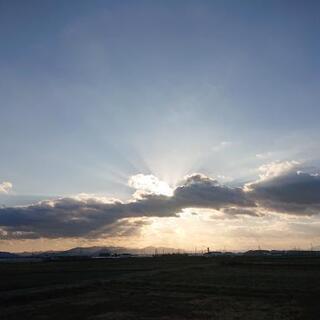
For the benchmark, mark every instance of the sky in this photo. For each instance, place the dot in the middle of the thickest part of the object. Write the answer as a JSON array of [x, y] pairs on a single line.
[[172, 123]]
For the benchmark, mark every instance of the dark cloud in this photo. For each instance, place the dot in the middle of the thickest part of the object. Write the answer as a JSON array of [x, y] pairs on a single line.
[[285, 192], [199, 191], [120, 228], [70, 217], [291, 191], [235, 211]]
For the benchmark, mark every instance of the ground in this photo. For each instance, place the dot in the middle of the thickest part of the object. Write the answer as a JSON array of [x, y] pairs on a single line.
[[168, 287]]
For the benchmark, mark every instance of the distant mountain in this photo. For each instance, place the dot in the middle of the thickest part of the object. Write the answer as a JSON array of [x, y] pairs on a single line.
[[8, 255], [85, 251], [98, 250], [95, 251]]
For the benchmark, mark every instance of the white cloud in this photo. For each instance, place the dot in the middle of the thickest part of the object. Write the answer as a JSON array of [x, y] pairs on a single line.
[[271, 170], [276, 168], [5, 187], [149, 184]]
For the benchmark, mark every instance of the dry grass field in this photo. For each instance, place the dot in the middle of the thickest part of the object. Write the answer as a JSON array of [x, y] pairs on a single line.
[[168, 287]]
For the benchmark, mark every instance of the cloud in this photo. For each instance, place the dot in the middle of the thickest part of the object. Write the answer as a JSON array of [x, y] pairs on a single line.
[[284, 187], [277, 168], [199, 191], [281, 188], [87, 216], [5, 187], [149, 184], [127, 227], [236, 211]]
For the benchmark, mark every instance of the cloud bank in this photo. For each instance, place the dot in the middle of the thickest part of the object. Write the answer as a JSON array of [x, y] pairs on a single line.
[[281, 188], [284, 188]]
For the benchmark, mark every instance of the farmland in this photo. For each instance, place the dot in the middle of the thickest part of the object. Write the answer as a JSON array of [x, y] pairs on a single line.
[[164, 287]]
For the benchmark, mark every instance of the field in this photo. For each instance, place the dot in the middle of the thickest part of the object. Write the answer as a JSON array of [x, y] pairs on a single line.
[[168, 287]]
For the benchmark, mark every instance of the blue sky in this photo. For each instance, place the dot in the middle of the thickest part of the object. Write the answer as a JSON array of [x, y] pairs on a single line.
[[89, 88], [93, 92]]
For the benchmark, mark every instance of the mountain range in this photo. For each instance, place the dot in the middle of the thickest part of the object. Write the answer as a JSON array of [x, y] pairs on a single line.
[[91, 252]]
